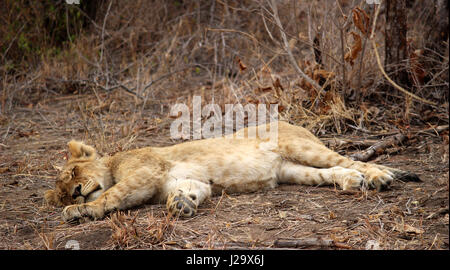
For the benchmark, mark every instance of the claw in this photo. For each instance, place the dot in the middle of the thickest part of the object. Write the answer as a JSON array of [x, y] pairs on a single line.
[[382, 187], [73, 221], [407, 176]]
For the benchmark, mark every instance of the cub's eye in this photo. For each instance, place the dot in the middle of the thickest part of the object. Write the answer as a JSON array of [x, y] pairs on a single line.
[[75, 172]]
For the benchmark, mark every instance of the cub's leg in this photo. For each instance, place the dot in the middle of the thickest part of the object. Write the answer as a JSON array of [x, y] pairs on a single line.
[[129, 192], [300, 174], [185, 195], [309, 153]]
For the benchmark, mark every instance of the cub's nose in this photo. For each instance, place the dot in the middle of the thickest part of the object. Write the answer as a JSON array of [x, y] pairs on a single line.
[[77, 192]]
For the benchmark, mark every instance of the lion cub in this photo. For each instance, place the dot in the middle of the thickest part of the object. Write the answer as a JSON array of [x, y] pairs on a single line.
[[184, 175]]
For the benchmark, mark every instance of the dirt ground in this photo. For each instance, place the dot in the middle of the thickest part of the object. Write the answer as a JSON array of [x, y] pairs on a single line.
[[34, 136]]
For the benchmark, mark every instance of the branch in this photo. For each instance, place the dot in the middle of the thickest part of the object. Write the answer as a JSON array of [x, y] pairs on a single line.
[[289, 52], [309, 242], [437, 129], [439, 212], [369, 152]]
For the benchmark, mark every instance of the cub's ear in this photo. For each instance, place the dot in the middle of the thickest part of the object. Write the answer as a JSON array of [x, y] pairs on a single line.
[[80, 150], [51, 198]]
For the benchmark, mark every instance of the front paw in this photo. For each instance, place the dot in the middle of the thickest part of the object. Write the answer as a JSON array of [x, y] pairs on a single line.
[[71, 214], [78, 213], [179, 204]]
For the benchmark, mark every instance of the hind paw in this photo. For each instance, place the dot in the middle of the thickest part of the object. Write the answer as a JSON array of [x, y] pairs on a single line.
[[182, 205], [379, 179]]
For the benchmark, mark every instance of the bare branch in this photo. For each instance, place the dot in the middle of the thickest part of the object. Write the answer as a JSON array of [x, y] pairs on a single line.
[[317, 87]]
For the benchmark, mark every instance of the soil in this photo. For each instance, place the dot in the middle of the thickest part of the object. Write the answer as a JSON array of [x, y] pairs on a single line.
[[412, 215]]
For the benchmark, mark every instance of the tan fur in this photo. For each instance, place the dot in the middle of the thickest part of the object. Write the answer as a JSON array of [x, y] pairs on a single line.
[[184, 175]]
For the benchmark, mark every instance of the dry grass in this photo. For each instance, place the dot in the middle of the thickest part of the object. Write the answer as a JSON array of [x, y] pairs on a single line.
[[230, 53]]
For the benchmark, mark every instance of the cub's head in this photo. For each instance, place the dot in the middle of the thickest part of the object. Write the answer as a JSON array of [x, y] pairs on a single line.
[[82, 179]]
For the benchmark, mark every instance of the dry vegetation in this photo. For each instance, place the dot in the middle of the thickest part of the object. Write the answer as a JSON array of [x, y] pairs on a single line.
[[111, 81]]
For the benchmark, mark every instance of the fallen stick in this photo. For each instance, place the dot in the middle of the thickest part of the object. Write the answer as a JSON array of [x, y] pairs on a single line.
[[308, 242], [440, 212], [437, 129], [369, 152], [423, 201], [348, 143]]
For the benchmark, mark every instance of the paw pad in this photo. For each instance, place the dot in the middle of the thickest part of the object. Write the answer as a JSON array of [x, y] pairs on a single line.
[[181, 205]]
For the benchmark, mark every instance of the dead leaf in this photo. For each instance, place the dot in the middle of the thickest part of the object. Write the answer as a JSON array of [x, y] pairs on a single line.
[[176, 116], [252, 100], [321, 73], [277, 84], [262, 90], [292, 43], [282, 214], [418, 72], [357, 21], [361, 20], [242, 67], [25, 133], [356, 48], [331, 215]]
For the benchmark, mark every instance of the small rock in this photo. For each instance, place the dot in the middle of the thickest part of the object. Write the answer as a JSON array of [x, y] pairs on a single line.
[[373, 245]]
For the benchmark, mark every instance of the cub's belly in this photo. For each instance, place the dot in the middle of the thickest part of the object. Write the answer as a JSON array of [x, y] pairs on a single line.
[[236, 172]]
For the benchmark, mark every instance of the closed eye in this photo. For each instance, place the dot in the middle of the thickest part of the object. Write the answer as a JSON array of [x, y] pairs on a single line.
[[77, 192]]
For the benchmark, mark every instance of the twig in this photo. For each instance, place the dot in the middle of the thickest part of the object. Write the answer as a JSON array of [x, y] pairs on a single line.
[[361, 66], [166, 75], [344, 73], [317, 87], [309, 242], [422, 202], [9, 126], [12, 41], [255, 40], [307, 43], [437, 129], [218, 203], [439, 212], [103, 31], [369, 152], [86, 82], [348, 143], [342, 28]]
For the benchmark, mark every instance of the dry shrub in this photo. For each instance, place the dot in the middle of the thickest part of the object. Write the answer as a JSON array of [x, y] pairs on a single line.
[[159, 230], [163, 52], [124, 232]]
